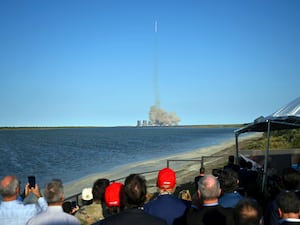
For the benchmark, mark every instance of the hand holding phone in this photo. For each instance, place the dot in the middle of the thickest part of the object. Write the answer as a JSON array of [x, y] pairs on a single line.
[[74, 204], [31, 181]]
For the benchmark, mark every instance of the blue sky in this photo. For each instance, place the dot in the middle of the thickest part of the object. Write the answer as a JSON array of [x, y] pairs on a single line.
[[93, 63]]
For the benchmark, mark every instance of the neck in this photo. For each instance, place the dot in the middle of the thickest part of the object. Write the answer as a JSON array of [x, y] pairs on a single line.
[[55, 203], [290, 215], [10, 198], [166, 191], [210, 201]]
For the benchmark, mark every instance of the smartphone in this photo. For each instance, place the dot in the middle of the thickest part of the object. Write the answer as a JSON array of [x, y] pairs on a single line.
[[74, 204], [31, 181]]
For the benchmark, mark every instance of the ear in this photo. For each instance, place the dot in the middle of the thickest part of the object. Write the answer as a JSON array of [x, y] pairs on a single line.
[[199, 193], [63, 197], [220, 191], [17, 190], [280, 212]]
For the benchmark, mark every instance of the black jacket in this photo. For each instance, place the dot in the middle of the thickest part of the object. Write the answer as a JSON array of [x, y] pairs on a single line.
[[210, 215], [132, 217]]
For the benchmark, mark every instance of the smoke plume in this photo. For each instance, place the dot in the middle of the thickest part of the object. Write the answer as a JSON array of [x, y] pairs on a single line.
[[159, 117]]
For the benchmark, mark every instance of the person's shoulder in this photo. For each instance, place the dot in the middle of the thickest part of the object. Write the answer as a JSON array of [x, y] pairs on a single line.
[[289, 222], [89, 208], [153, 220], [226, 210], [167, 199], [72, 219]]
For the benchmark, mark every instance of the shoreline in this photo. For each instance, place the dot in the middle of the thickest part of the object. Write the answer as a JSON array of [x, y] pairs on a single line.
[[185, 170], [132, 126]]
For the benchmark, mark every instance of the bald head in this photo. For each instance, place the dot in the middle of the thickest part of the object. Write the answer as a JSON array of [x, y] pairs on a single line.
[[209, 187], [9, 187]]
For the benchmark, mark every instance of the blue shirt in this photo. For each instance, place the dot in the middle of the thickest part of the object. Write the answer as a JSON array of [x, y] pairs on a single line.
[[17, 213], [229, 200]]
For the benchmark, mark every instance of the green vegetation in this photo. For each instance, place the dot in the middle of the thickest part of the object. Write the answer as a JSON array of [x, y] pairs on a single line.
[[281, 139]]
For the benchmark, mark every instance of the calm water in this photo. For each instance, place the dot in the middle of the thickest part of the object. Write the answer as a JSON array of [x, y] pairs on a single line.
[[71, 154]]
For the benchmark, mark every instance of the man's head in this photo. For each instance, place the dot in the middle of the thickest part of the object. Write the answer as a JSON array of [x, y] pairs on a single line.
[[87, 196], [135, 191], [229, 180], [99, 189], [248, 212], [209, 188], [166, 179], [288, 205], [231, 159], [290, 178], [54, 192], [9, 187], [113, 194], [202, 170]]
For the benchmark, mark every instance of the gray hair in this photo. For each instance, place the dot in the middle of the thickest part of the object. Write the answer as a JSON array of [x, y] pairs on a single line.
[[209, 187], [10, 189], [54, 191]]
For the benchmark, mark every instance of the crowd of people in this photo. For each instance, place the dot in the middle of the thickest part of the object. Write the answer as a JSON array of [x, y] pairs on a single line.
[[227, 197]]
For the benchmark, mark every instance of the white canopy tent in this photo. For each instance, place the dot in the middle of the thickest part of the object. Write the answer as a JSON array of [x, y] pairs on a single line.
[[288, 117]]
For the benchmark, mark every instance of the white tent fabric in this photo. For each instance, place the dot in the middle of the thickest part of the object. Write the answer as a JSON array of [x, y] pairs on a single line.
[[287, 117], [291, 109]]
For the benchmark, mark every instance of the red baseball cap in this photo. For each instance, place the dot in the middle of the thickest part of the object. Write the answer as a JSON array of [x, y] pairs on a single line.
[[112, 194], [166, 178]]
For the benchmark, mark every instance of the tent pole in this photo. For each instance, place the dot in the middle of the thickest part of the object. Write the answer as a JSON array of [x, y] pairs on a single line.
[[237, 161], [265, 173]]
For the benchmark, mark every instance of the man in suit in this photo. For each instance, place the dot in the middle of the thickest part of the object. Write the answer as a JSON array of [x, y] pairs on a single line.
[[211, 213], [134, 197], [166, 205], [248, 212], [290, 179], [229, 184], [288, 208]]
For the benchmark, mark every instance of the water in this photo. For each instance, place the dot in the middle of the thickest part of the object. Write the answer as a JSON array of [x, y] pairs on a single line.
[[71, 154]]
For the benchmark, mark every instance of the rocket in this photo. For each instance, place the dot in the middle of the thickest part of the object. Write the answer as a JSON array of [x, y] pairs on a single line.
[[155, 26]]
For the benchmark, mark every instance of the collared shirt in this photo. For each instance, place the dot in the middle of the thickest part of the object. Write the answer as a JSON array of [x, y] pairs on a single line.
[[54, 215], [289, 220], [17, 213], [211, 204]]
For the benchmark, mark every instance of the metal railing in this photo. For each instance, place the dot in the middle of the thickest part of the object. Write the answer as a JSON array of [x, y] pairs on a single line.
[[76, 197]]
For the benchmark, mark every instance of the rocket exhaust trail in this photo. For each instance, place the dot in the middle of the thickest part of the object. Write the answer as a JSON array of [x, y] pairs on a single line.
[[155, 67], [158, 116]]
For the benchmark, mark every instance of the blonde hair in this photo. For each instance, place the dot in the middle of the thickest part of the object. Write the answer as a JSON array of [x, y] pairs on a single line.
[[185, 195]]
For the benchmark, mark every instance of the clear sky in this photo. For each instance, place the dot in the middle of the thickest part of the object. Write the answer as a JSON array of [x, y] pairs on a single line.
[[100, 62]]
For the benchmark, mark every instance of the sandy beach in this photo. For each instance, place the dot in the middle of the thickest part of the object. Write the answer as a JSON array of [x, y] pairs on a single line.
[[186, 170]]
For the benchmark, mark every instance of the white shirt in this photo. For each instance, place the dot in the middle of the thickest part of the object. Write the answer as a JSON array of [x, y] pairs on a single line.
[[54, 215]]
